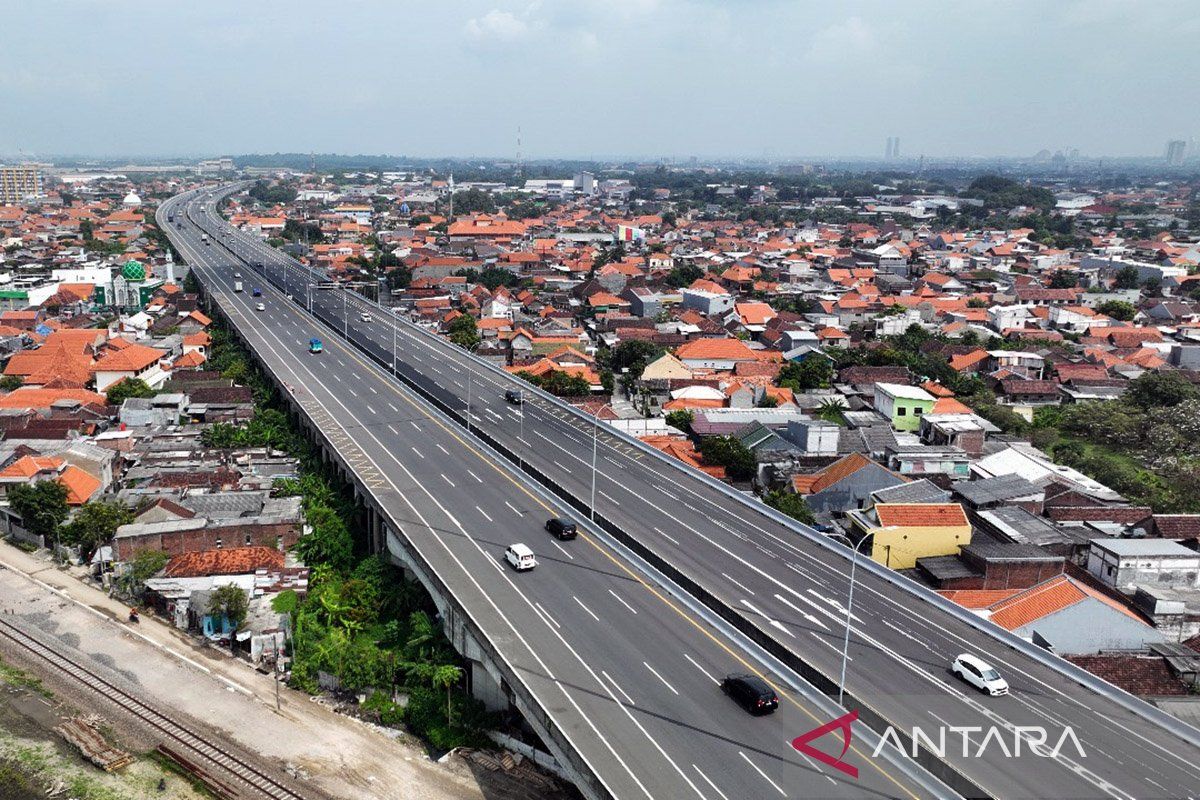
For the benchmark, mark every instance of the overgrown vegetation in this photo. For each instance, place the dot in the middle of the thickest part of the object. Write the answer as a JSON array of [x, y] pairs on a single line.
[[1145, 445], [362, 621]]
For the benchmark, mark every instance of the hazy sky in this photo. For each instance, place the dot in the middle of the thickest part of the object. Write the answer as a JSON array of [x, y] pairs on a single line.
[[597, 78]]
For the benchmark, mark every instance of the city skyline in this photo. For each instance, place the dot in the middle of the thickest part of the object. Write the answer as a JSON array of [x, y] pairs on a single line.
[[630, 79]]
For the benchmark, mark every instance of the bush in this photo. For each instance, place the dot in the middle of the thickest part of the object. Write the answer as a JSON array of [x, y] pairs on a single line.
[[425, 716], [385, 710]]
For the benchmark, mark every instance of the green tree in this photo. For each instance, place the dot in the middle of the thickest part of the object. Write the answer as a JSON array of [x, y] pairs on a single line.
[[563, 384], [1064, 280], [791, 504], [464, 331], [329, 542], [684, 275], [1117, 309], [272, 194], [1160, 389], [41, 505], [230, 602], [96, 523], [681, 419], [126, 388], [10, 382], [1126, 277], [399, 277], [144, 566], [634, 355], [728, 452], [814, 372]]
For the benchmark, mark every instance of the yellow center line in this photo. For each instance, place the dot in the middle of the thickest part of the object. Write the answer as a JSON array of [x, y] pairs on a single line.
[[373, 371]]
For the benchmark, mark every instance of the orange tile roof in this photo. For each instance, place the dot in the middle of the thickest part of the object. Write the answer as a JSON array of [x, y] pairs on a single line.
[[684, 451], [132, 358], [978, 598], [961, 362], [755, 313], [923, 515], [80, 485], [721, 350], [950, 405], [26, 397], [189, 360], [52, 359], [198, 339], [1046, 598], [823, 479], [28, 466]]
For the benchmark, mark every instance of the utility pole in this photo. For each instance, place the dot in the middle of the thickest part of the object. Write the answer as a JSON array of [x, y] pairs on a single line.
[[275, 650]]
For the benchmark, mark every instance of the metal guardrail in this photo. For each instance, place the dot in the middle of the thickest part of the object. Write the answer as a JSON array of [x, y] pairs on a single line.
[[1084, 678]]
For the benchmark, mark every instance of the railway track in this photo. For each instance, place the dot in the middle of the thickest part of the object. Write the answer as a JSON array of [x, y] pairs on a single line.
[[258, 781]]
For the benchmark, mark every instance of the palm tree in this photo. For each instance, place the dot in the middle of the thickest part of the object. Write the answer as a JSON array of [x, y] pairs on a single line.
[[446, 675]]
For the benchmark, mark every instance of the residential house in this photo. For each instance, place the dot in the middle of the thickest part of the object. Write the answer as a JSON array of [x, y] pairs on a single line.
[[904, 532], [903, 405], [843, 485]]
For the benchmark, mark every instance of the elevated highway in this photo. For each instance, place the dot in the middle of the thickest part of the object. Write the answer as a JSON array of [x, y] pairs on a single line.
[[780, 584]]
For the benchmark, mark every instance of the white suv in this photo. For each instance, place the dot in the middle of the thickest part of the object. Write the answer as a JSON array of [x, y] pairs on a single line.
[[520, 557], [980, 674]]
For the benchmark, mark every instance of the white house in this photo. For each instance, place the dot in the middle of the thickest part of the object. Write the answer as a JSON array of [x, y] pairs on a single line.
[[1122, 563]]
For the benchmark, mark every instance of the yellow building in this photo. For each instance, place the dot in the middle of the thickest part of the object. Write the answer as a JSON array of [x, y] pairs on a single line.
[[904, 532], [18, 183]]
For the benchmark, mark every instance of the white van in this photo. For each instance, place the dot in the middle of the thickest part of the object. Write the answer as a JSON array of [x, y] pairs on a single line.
[[237, 286], [520, 557]]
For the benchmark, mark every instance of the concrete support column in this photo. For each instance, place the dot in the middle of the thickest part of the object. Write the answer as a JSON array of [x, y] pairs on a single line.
[[486, 689]]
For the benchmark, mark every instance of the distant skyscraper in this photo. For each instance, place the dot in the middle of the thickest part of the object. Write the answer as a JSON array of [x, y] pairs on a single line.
[[1176, 150], [891, 148], [896, 147]]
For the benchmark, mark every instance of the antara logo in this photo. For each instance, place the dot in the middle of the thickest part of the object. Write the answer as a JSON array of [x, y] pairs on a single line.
[[842, 723], [976, 741]]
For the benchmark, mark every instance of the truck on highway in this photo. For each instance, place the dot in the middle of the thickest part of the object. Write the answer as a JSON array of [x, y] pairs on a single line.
[[204, 238], [315, 346], [237, 286]]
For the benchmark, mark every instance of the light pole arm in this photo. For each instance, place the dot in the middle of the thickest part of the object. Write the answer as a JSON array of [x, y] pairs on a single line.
[[849, 608]]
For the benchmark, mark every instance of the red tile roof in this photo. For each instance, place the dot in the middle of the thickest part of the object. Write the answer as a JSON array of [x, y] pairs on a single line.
[[231, 561]]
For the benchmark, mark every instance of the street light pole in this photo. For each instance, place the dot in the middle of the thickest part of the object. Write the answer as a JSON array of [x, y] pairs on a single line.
[[849, 609], [595, 447]]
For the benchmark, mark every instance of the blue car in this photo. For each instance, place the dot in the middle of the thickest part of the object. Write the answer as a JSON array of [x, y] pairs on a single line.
[[315, 346], [257, 292]]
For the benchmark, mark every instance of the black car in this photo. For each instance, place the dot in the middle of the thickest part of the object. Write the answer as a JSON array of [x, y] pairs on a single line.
[[514, 396], [751, 693], [562, 528]]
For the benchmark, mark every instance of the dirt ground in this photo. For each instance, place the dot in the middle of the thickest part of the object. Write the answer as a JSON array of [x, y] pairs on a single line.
[[330, 753], [36, 762]]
